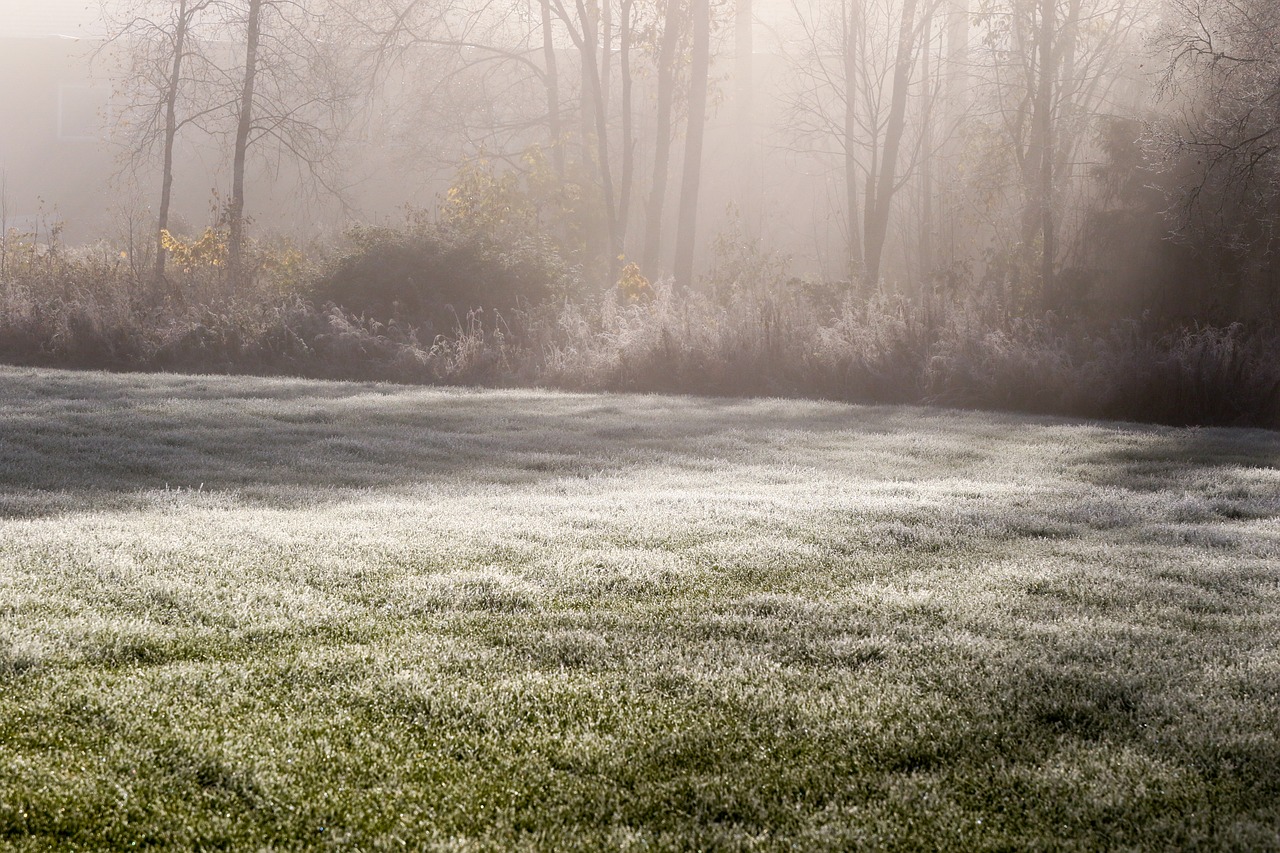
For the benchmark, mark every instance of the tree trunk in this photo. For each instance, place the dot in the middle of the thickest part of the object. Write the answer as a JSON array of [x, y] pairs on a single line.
[[744, 74], [651, 258], [956, 101], [957, 71], [854, 224], [170, 134], [589, 17], [591, 74], [628, 130], [878, 224], [606, 52], [1042, 130], [554, 129], [235, 241], [926, 264], [700, 67]]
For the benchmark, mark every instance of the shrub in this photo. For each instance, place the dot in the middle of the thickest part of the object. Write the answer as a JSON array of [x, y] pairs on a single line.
[[434, 275]]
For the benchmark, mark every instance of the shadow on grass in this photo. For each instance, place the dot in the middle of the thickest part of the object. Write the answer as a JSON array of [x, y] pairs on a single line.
[[1221, 473], [1149, 455], [75, 441]]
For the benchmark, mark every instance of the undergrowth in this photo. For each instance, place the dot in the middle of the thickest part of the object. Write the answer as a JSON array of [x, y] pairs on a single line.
[[90, 309]]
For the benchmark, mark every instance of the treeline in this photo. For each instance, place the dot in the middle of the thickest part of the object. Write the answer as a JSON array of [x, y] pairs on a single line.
[[1082, 156], [389, 308]]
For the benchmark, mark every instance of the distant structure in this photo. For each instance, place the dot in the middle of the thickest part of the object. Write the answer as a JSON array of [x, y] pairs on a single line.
[[54, 160]]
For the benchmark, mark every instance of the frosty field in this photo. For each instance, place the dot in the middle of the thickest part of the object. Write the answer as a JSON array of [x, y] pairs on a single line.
[[278, 614]]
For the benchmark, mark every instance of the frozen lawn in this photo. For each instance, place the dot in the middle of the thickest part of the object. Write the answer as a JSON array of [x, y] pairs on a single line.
[[284, 614]]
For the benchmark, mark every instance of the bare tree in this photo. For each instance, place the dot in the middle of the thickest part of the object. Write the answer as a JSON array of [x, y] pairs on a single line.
[[295, 84], [626, 39], [885, 184], [552, 79], [275, 77], [851, 24], [1050, 68], [584, 27], [244, 124], [699, 72], [744, 119], [669, 42], [1222, 141], [857, 72], [168, 78]]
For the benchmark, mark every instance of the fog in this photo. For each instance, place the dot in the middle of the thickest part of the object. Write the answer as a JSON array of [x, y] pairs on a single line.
[[1104, 156]]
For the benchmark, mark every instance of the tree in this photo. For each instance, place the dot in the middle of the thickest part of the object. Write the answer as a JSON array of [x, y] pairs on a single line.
[[1050, 69], [591, 27], [274, 77], [298, 78], [699, 73], [669, 42], [626, 37], [552, 79], [167, 72], [1222, 141], [857, 74], [244, 125], [884, 184], [850, 21], [583, 26], [744, 95]]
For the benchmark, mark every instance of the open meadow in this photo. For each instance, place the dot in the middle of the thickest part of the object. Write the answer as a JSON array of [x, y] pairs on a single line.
[[282, 614]]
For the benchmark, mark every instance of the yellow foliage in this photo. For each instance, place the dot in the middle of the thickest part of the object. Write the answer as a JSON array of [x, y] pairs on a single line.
[[209, 251], [633, 287], [286, 264], [532, 198], [482, 198]]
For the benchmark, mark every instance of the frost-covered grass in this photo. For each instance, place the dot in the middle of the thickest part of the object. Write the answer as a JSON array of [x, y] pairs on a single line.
[[278, 614]]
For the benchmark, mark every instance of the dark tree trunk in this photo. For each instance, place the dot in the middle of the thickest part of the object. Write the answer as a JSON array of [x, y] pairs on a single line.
[[651, 258], [886, 180], [170, 134], [686, 225], [235, 241]]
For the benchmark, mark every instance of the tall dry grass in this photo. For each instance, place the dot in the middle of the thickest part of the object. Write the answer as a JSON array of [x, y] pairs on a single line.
[[962, 353]]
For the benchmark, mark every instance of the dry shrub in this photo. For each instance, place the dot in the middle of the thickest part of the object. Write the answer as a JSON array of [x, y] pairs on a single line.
[[1198, 376], [683, 343], [963, 353]]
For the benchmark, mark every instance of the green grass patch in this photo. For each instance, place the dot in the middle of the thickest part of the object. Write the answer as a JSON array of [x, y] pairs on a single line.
[[282, 614]]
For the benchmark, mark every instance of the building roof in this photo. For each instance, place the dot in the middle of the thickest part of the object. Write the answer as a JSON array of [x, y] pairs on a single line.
[[49, 18]]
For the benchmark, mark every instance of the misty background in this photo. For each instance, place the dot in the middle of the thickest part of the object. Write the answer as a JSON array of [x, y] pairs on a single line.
[[1046, 174]]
